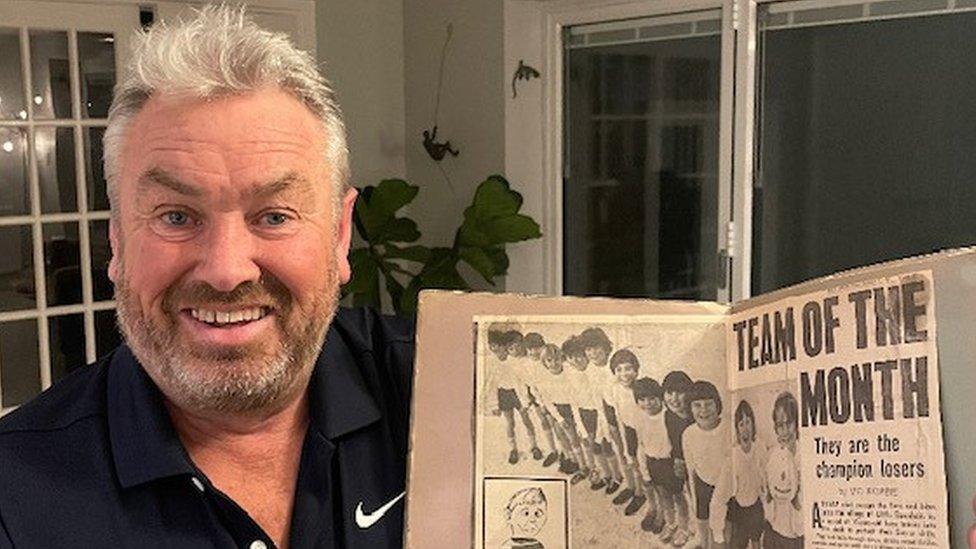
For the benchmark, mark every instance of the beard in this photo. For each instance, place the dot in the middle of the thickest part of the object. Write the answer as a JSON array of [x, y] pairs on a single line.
[[260, 376]]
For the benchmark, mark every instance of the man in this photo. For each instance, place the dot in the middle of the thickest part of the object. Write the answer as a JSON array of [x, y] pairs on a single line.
[[224, 421]]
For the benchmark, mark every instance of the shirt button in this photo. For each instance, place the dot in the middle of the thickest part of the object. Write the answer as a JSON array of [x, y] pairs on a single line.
[[197, 483], [258, 544]]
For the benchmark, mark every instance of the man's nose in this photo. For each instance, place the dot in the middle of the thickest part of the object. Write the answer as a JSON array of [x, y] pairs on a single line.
[[228, 257]]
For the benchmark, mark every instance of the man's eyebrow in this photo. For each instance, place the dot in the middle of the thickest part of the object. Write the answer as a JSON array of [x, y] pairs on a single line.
[[162, 178], [291, 181]]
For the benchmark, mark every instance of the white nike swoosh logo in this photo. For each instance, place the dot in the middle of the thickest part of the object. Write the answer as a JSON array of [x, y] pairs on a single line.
[[365, 520]]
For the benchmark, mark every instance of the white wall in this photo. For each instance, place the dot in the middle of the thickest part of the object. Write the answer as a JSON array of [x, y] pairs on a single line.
[[472, 109], [361, 45]]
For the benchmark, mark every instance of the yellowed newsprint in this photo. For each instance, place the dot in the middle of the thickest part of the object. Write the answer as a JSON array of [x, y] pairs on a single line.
[[835, 398]]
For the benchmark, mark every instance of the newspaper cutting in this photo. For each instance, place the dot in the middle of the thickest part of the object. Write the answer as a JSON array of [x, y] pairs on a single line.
[[838, 438]]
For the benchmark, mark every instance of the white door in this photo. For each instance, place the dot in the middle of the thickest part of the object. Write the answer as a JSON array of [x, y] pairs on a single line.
[[59, 65]]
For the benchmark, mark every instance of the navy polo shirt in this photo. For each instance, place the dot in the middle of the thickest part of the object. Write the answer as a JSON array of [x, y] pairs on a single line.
[[95, 461]]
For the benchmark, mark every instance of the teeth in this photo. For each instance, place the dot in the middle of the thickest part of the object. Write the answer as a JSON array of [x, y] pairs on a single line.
[[220, 317]]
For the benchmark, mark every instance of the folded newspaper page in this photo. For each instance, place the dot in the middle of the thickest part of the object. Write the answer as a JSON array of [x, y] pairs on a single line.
[[809, 417]]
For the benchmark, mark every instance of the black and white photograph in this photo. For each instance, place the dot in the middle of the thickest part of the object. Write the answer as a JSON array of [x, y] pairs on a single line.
[[627, 411]]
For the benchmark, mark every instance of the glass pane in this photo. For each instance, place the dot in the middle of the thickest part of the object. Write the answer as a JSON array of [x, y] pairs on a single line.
[[95, 170], [96, 55], [12, 106], [107, 336], [67, 338], [20, 371], [101, 253], [50, 75], [55, 150], [14, 185], [62, 263], [17, 269], [866, 145], [641, 191]]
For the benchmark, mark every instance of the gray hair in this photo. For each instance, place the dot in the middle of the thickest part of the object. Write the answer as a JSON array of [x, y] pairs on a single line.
[[219, 52]]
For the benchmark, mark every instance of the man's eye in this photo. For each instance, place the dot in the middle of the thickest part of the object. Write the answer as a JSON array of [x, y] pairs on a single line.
[[274, 219], [176, 218]]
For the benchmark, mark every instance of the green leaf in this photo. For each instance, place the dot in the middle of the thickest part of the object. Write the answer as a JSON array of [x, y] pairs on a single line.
[[441, 271], [391, 195], [513, 228], [494, 198], [480, 261], [499, 258], [400, 229], [417, 253]]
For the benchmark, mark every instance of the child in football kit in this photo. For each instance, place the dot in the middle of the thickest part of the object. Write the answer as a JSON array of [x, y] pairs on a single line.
[[534, 345], [738, 493], [677, 418], [784, 526], [654, 454], [623, 408], [509, 381], [586, 399], [551, 391], [703, 441], [597, 348]]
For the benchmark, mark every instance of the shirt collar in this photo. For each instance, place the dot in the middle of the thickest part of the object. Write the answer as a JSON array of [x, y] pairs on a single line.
[[340, 399], [145, 445]]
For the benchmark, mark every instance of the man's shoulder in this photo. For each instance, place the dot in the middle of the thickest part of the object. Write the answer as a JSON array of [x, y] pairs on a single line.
[[78, 396]]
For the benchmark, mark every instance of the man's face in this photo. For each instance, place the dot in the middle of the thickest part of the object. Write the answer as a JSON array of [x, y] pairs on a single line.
[[528, 519], [549, 361], [516, 349], [626, 373], [578, 361], [227, 254], [705, 413], [535, 352]]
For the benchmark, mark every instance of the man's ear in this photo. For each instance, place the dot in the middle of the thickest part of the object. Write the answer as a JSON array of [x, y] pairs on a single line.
[[113, 238], [344, 235]]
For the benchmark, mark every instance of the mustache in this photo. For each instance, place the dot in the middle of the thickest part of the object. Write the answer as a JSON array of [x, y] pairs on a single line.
[[267, 290]]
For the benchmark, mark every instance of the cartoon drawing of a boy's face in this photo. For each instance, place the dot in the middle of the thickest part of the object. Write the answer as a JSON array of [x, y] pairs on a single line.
[[528, 518]]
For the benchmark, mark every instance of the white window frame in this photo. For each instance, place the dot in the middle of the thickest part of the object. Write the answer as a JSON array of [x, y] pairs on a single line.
[[534, 132]]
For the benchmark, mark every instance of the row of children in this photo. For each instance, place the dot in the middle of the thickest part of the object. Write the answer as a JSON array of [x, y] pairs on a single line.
[[610, 428], [604, 423]]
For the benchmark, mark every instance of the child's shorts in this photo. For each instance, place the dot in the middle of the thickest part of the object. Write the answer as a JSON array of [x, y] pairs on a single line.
[[588, 417], [774, 540], [565, 411], [662, 474], [747, 522], [611, 413], [703, 497], [630, 440], [508, 400]]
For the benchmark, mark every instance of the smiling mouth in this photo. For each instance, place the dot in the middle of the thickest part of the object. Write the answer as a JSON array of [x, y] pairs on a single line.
[[229, 318]]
